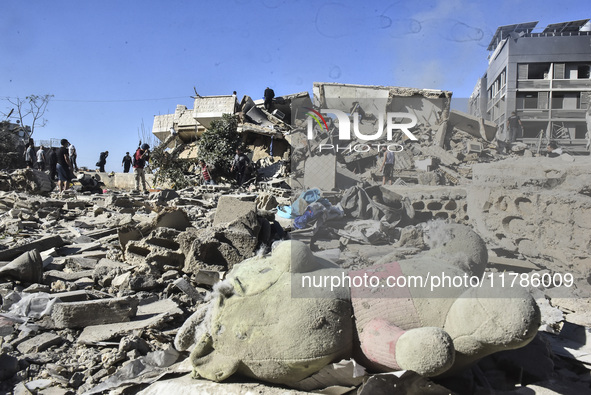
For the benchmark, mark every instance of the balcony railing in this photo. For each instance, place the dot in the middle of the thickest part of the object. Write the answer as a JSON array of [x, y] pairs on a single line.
[[527, 113], [533, 84], [572, 84], [568, 113]]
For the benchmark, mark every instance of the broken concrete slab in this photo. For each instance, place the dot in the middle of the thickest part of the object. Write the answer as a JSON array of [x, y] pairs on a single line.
[[187, 385], [107, 269], [445, 157], [39, 343], [472, 125], [151, 315], [42, 244], [54, 275], [94, 312]]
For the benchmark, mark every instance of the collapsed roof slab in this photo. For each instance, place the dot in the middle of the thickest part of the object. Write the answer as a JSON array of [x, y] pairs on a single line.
[[182, 120], [430, 106], [162, 125], [472, 125], [210, 108], [373, 99]]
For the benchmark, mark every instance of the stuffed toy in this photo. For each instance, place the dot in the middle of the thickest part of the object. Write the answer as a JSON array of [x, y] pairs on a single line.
[[281, 318]]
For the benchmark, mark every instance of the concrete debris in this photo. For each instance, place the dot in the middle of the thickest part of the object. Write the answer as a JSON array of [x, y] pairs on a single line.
[[39, 343], [94, 312]]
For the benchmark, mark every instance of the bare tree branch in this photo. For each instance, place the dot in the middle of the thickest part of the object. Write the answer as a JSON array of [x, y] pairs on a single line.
[[30, 110]]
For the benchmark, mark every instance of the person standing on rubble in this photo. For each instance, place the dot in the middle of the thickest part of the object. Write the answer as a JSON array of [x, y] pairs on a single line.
[[53, 163], [73, 156], [140, 158], [126, 162], [503, 143], [41, 159], [29, 155], [269, 96], [514, 127], [205, 173], [387, 165], [240, 166], [102, 161], [63, 166]]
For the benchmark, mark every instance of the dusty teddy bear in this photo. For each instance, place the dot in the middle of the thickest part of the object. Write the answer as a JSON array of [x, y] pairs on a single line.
[[265, 321]]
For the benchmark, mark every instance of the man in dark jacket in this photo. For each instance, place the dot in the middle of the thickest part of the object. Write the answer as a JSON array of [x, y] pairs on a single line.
[[102, 161], [53, 163], [241, 166], [269, 96], [126, 162]]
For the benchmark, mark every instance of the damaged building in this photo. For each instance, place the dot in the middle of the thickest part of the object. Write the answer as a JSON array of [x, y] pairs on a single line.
[[544, 76], [263, 132]]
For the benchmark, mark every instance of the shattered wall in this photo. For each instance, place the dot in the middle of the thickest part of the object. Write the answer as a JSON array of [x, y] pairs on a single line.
[[535, 207]]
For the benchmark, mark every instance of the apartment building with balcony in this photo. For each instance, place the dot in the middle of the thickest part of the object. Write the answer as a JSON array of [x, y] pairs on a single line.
[[543, 76]]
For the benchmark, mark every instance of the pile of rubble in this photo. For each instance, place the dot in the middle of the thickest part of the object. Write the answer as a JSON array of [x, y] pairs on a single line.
[[93, 281], [95, 287]]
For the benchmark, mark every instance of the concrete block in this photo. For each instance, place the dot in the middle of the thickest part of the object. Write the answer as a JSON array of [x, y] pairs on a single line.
[[278, 114], [172, 218], [472, 125], [320, 172], [151, 315], [54, 275], [39, 343], [230, 208], [71, 205], [94, 312]]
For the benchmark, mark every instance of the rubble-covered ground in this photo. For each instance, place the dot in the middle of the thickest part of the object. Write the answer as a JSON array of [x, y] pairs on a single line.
[[94, 287]]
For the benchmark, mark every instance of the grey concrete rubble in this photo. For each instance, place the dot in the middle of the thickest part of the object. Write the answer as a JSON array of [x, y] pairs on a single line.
[[94, 288], [94, 312]]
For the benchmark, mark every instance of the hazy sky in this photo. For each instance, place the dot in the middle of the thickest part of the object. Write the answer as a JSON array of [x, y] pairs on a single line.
[[113, 65]]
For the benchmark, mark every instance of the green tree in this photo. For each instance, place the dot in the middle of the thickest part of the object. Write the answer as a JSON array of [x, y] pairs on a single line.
[[218, 144], [216, 147]]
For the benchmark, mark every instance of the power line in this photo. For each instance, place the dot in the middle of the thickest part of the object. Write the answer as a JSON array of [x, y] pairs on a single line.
[[120, 100], [110, 101]]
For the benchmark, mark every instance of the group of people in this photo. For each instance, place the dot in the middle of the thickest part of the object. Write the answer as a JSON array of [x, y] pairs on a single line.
[[62, 164], [38, 159]]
